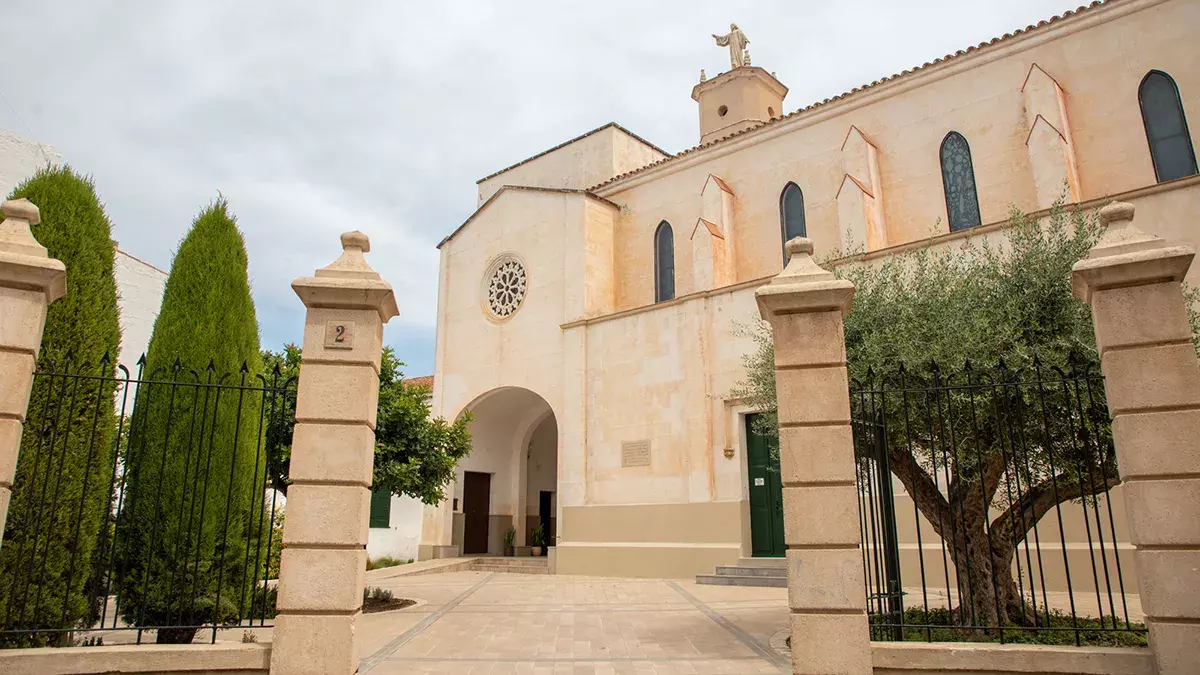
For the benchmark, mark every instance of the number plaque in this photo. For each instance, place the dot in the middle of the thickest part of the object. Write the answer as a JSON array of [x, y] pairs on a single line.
[[339, 335]]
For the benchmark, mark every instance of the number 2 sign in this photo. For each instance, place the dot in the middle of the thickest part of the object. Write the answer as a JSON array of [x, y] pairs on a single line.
[[339, 335]]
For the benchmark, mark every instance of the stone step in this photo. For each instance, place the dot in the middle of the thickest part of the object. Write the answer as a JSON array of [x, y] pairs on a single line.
[[510, 570], [512, 565], [735, 580], [739, 571], [762, 562]]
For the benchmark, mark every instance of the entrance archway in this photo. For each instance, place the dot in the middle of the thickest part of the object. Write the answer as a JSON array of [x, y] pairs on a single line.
[[510, 479]]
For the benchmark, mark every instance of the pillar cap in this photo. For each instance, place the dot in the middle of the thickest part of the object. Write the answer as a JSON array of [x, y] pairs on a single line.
[[349, 282], [24, 263], [803, 286], [1120, 234], [15, 233], [1127, 256]]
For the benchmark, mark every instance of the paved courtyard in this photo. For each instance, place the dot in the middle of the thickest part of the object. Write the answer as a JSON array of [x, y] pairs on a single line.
[[492, 622]]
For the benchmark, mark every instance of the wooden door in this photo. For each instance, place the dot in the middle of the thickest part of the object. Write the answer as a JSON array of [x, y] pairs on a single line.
[[766, 495], [477, 494]]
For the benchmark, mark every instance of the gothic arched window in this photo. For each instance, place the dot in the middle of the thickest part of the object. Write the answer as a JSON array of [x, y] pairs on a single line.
[[664, 263], [791, 215], [1166, 128], [958, 180]]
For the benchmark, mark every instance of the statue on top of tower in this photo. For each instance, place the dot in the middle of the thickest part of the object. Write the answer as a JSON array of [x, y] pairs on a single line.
[[736, 40]]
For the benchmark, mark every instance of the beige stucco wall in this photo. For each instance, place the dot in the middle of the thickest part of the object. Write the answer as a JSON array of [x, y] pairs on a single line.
[[662, 376], [596, 157], [613, 367], [478, 354]]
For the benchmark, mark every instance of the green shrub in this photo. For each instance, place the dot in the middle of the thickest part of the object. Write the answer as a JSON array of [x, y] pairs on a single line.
[[385, 561], [190, 533], [377, 595], [1057, 628], [60, 491]]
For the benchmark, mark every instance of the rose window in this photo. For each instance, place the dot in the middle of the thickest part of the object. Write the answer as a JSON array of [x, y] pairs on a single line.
[[506, 288]]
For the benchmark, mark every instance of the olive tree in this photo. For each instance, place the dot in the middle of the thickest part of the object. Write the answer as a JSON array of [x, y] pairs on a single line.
[[1006, 301]]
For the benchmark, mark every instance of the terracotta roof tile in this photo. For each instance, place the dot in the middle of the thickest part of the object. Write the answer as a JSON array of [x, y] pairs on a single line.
[[856, 90], [424, 381]]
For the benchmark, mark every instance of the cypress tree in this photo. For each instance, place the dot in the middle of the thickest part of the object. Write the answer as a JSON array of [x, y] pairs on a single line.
[[65, 463], [195, 468]]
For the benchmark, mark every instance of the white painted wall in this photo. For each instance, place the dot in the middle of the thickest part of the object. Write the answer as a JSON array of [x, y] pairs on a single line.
[[20, 157], [403, 534], [139, 296]]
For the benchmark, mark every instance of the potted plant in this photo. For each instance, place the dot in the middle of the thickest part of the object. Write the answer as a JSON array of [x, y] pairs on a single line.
[[510, 538], [538, 538]]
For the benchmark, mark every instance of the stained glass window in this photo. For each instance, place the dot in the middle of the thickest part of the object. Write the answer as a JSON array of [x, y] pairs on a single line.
[[958, 180], [664, 263], [791, 215], [1166, 127]]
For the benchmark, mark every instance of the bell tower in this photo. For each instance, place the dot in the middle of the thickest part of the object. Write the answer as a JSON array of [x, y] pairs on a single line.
[[739, 99]]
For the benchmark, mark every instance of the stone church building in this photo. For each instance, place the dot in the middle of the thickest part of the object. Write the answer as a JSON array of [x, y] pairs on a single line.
[[586, 309]]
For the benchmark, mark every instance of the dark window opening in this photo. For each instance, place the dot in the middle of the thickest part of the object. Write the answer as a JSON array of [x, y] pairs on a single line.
[[664, 263], [791, 215], [1171, 148], [958, 181]]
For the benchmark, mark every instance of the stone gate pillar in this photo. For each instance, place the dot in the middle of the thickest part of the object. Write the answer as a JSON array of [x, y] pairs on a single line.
[[805, 305], [1132, 282], [29, 281], [324, 558]]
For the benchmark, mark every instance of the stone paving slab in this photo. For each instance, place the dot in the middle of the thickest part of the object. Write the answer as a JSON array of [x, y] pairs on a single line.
[[478, 622]]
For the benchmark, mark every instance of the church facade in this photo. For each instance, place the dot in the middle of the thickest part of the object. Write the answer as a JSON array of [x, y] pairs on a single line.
[[587, 309]]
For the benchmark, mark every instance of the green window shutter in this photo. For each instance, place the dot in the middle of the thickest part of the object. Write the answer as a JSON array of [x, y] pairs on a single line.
[[381, 508]]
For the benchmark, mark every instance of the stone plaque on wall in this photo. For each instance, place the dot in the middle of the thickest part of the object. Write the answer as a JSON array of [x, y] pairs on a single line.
[[635, 453]]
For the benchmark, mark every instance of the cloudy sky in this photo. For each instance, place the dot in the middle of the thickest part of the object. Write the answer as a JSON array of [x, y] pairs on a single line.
[[316, 117]]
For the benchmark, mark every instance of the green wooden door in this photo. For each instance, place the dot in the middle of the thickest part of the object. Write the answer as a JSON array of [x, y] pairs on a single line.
[[766, 495]]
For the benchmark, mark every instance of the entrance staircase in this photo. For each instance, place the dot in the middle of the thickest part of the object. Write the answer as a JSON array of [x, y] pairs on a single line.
[[762, 572], [512, 565]]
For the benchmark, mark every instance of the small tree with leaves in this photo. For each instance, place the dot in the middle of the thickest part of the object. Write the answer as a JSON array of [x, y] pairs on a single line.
[[415, 453]]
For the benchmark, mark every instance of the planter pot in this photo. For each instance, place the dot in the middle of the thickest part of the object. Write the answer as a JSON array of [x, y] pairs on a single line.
[[537, 551], [508, 551]]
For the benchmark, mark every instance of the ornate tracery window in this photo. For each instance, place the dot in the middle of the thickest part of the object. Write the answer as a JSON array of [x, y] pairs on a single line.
[[1166, 127], [504, 287], [664, 263], [791, 215], [958, 181]]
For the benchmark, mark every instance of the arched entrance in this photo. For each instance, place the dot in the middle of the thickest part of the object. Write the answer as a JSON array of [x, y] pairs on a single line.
[[510, 479]]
